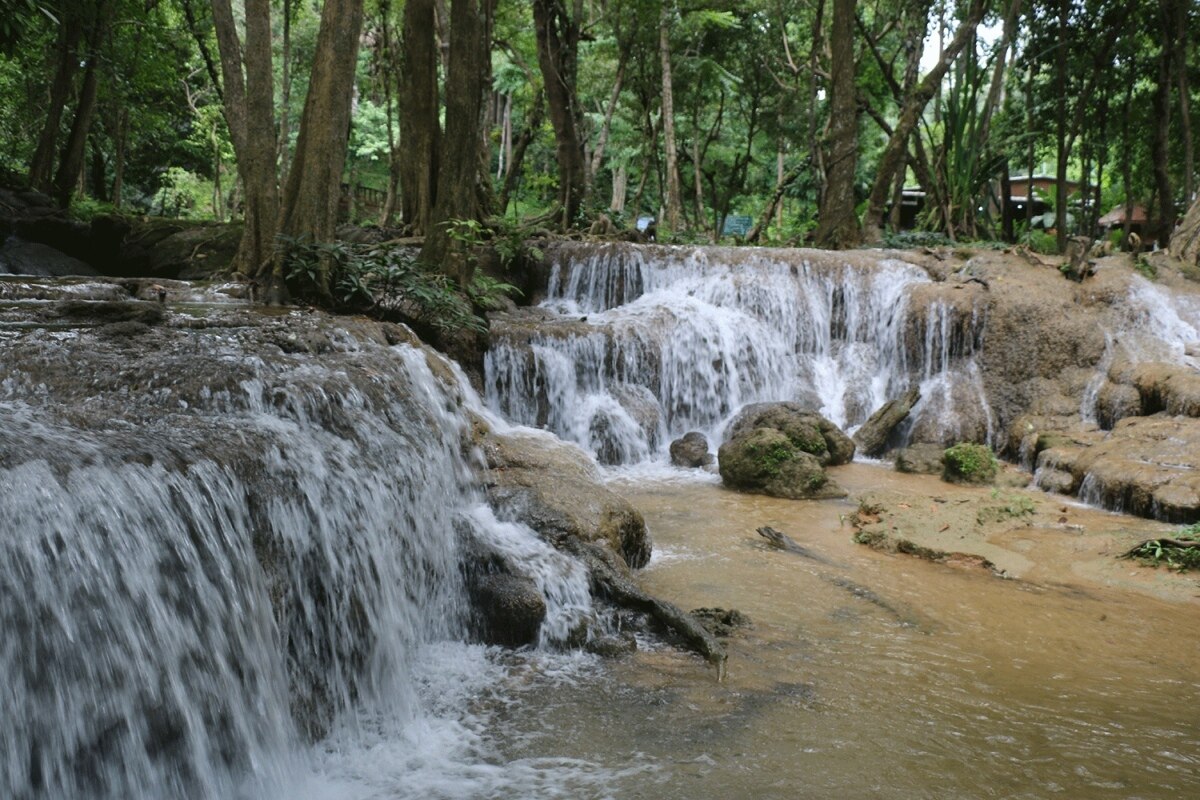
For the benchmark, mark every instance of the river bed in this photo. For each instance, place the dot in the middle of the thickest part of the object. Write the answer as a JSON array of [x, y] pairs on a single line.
[[883, 676]]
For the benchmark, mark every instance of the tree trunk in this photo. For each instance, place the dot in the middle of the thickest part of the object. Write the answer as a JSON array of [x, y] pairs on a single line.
[[70, 164], [837, 226], [458, 192], [250, 115], [673, 191], [42, 166], [1164, 219], [310, 202], [419, 127], [558, 57], [606, 126], [910, 115], [285, 91], [1060, 125], [1185, 243]]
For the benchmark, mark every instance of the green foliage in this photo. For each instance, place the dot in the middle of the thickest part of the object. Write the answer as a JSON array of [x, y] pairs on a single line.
[[770, 459], [381, 279], [1145, 268], [967, 462], [1174, 552]]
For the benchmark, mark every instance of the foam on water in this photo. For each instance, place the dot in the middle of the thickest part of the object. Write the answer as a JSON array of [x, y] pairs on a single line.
[[660, 341], [192, 589]]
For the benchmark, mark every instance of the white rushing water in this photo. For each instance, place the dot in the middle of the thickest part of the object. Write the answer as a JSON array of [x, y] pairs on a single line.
[[647, 343], [188, 596]]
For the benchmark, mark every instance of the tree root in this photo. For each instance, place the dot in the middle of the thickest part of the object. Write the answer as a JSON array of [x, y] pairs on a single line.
[[611, 579]]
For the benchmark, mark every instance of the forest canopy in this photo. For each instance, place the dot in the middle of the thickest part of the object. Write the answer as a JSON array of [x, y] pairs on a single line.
[[832, 122]]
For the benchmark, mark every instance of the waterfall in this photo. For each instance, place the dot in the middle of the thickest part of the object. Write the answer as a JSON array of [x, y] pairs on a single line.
[[216, 555], [634, 346]]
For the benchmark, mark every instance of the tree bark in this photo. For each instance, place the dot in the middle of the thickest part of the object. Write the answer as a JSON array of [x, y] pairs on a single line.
[[606, 126], [70, 164], [910, 115], [1185, 242], [837, 226], [42, 166], [1164, 220], [673, 191], [557, 29], [458, 193], [1060, 125], [250, 115], [420, 130], [310, 202]]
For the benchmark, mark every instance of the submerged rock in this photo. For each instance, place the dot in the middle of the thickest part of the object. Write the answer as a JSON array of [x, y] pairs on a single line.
[[691, 450], [872, 437]]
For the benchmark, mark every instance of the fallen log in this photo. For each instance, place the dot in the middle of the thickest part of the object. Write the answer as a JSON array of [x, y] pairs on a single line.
[[786, 543]]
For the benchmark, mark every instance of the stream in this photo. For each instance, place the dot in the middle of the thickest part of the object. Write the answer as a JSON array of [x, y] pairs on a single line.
[[965, 686]]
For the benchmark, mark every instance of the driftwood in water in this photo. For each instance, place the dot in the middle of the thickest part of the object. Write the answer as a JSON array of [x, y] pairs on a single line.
[[611, 579], [785, 542]]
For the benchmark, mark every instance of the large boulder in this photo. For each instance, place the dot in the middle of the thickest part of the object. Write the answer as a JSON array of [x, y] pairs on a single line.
[[872, 437], [767, 460], [807, 430], [555, 488], [19, 257], [691, 450]]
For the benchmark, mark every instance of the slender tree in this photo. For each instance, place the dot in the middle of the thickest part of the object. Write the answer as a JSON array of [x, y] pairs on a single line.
[[837, 225], [558, 57]]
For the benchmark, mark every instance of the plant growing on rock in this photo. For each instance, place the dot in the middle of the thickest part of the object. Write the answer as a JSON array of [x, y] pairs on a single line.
[[967, 462], [1179, 552]]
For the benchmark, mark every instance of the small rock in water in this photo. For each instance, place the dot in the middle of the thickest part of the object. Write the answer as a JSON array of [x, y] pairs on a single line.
[[691, 450]]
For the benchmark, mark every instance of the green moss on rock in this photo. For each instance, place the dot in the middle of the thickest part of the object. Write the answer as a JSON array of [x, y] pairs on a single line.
[[967, 462]]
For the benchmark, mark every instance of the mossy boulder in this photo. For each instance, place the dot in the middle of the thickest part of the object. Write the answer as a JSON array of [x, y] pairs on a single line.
[[967, 462], [807, 430], [920, 459], [766, 460]]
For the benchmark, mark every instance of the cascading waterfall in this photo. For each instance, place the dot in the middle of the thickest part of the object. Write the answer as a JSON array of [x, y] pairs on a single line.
[[638, 345], [196, 584]]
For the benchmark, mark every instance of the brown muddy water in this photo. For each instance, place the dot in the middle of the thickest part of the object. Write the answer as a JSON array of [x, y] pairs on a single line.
[[883, 676]]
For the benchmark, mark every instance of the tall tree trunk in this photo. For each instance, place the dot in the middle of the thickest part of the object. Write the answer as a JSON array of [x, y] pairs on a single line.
[[285, 91], [420, 130], [70, 164], [310, 201], [248, 87], [673, 191], [1164, 219], [910, 115], [458, 194], [837, 225], [606, 126], [42, 166], [557, 30], [1060, 125]]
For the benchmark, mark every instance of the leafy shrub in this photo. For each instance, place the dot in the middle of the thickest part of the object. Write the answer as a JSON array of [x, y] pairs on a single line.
[[374, 278], [969, 463]]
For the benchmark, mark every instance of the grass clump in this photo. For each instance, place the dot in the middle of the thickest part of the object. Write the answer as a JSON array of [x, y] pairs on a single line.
[[967, 462]]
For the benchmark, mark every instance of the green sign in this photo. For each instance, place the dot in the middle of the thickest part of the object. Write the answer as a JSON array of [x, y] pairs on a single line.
[[737, 225]]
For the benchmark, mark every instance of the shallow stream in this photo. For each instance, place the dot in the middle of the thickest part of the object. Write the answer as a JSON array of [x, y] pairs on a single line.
[[876, 675]]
